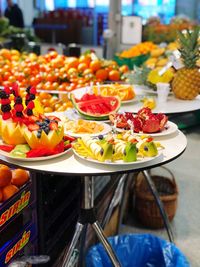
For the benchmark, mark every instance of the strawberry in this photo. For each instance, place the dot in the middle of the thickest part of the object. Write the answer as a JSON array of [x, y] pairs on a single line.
[[42, 117], [5, 101], [69, 138], [15, 89], [33, 118], [7, 90], [53, 118], [31, 105], [18, 107], [33, 90], [33, 127], [53, 125], [6, 115]]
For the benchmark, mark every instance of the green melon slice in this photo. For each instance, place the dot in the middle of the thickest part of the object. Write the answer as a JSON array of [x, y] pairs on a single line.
[[93, 107]]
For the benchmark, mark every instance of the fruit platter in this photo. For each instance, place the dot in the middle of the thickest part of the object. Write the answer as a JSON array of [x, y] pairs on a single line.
[[95, 107], [124, 148], [125, 92], [82, 127], [28, 136], [143, 122]]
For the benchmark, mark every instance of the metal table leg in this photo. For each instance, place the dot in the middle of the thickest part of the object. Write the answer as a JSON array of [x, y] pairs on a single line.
[[117, 192], [68, 255], [99, 231], [87, 216], [159, 204]]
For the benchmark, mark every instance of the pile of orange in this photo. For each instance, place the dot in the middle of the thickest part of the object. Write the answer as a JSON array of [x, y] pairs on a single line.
[[11, 181], [139, 49], [53, 71], [53, 103]]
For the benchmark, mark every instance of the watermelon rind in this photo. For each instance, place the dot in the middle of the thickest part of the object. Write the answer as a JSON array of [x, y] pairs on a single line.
[[94, 117]]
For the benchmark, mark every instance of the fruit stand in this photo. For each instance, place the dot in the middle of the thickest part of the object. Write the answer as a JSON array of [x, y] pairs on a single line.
[[69, 165], [85, 117]]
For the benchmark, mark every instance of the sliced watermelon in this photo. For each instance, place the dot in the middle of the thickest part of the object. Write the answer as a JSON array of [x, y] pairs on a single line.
[[94, 107]]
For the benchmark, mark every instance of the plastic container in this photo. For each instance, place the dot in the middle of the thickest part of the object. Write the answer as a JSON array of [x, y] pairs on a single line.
[[131, 62], [138, 251]]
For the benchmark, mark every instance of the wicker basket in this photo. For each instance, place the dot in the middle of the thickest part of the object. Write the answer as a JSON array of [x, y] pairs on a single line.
[[146, 208]]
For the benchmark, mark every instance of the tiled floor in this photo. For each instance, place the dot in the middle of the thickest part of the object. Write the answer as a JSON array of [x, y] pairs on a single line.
[[186, 225]]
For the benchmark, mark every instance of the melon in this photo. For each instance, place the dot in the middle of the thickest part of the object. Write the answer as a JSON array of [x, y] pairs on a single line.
[[50, 140], [96, 107], [12, 133]]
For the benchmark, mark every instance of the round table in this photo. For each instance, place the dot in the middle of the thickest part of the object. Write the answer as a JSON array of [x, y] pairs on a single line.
[[70, 164]]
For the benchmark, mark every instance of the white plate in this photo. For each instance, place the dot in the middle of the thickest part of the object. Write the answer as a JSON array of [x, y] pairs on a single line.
[[81, 91], [107, 128], [7, 155], [169, 129], [118, 162], [129, 101], [72, 114]]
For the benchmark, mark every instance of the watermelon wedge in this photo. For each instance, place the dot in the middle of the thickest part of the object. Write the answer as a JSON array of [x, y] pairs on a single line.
[[96, 107]]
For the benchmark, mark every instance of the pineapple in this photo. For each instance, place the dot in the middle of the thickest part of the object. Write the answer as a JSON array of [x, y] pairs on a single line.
[[186, 83]]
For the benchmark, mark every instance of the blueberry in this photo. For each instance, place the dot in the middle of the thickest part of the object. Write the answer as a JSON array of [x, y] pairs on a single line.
[[46, 130], [38, 134], [100, 136], [19, 114], [32, 97], [28, 89], [18, 100], [29, 112], [146, 148], [5, 108], [40, 131], [26, 102], [47, 120], [3, 95]]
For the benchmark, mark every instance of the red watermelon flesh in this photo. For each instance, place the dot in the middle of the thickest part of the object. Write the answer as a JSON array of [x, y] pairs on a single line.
[[96, 107]]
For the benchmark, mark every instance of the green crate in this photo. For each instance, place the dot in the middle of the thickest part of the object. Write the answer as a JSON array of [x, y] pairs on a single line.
[[131, 62]]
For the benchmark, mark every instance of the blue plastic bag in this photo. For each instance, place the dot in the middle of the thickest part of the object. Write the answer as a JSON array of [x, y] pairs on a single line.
[[141, 250]]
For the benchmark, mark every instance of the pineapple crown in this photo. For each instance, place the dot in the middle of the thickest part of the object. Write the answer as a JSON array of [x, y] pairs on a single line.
[[189, 47]]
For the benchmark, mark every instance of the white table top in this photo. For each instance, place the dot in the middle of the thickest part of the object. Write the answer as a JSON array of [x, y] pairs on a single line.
[[173, 105], [69, 164]]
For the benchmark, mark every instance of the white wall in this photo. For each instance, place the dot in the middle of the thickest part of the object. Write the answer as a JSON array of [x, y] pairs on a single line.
[[28, 11], [189, 8]]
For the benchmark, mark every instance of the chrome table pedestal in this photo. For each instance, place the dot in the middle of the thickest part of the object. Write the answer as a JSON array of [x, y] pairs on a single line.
[[87, 216]]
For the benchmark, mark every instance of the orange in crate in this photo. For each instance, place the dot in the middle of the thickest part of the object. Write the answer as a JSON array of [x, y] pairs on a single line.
[[19, 177], [1, 195], [5, 175], [8, 191]]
